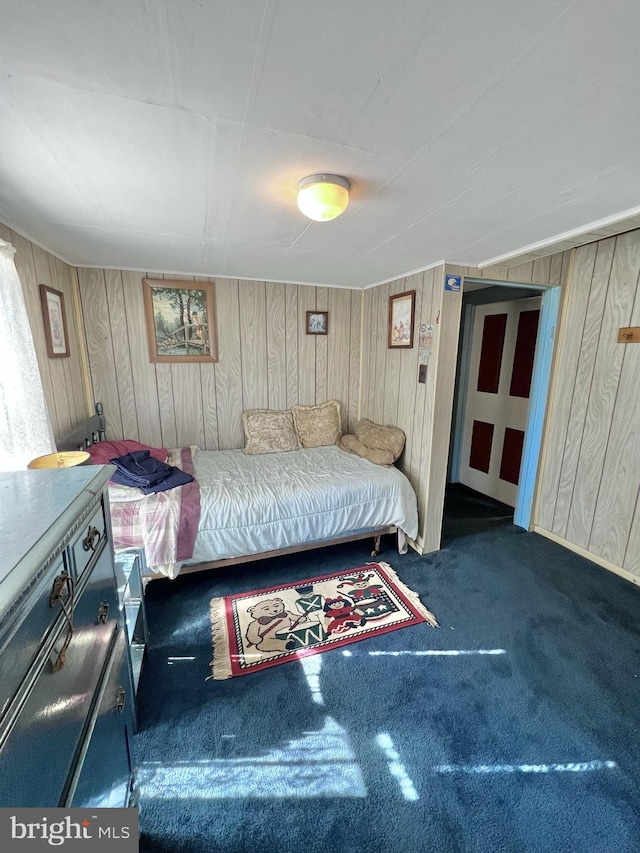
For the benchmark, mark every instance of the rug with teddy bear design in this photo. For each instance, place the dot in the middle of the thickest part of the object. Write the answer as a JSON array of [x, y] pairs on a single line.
[[266, 627]]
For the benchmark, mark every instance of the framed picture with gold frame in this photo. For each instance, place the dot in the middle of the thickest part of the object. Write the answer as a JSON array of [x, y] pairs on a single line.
[[55, 322], [181, 320], [402, 308]]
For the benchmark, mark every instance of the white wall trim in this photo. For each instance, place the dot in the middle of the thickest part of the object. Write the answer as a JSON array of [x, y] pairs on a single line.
[[575, 233], [227, 277], [406, 274], [600, 561]]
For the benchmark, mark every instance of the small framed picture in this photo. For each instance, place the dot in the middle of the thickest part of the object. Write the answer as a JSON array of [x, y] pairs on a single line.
[[181, 321], [317, 322], [55, 322], [401, 314]]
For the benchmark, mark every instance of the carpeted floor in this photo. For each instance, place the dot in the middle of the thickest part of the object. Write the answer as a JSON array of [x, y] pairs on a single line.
[[513, 727]]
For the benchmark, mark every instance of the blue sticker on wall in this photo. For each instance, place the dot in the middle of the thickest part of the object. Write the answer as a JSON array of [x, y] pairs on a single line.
[[452, 282]]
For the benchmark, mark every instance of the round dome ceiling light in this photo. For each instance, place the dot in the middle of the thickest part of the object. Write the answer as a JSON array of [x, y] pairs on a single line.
[[323, 197]]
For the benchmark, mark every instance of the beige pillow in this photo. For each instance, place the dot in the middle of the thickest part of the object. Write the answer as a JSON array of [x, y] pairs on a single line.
[[352, 444], [268, 431], [317, 426], [381, 437], [379, 444]]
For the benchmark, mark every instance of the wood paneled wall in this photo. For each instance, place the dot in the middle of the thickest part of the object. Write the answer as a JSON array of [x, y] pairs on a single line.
[[589, 494], [266, 360], [62, 378], [589, 485], [391, 393]]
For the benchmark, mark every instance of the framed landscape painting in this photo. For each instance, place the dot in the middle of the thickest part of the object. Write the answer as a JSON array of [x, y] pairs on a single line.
[[181, 320]]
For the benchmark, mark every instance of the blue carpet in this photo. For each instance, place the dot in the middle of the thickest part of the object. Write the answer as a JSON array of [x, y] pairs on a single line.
[[387, 745]]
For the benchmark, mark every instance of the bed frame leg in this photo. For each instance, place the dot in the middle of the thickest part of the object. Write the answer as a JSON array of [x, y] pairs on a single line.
[[403, 545], [376, 545]]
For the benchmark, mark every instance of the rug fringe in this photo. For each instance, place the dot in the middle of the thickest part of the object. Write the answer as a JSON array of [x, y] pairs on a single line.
[[411, 595], [221, 663]]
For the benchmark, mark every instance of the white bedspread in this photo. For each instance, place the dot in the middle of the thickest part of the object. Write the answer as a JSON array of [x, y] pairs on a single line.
[[253, 504]]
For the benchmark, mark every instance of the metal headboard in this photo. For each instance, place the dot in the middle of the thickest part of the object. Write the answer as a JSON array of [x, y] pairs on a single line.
[[86, 433]]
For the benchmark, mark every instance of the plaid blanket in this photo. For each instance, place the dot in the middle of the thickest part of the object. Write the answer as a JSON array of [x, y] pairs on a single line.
[[163, 524]]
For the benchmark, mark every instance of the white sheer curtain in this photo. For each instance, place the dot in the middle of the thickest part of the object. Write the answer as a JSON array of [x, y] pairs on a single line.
[[25, 431]]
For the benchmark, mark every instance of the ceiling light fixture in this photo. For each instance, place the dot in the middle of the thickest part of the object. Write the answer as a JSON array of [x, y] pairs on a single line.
[[323, 197]]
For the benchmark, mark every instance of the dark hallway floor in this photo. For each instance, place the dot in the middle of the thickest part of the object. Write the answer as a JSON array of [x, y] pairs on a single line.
[[467, 512]]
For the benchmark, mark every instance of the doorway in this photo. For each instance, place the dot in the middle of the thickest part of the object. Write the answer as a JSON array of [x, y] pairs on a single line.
[[503, 340], [502, 380]]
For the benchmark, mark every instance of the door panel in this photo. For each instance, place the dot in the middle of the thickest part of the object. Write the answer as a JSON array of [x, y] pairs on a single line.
[[524, 353], [491, 349], [481, 441], [497, 401], [511, 455]]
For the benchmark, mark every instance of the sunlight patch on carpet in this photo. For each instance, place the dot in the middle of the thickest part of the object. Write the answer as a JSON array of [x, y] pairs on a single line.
[[281, 773], [189, 627], [429, 653], [396, 767], [570, 767], [311, 667]]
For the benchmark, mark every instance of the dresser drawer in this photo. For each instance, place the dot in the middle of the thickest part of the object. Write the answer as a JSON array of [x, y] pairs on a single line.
[[50, 713], [28, 628], [89, 540], [103, 778]]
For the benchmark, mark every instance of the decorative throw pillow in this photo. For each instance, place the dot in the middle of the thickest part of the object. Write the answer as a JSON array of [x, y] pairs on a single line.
[[379, 444], [381, 437], [352, 444], [318, 426], [268, 431]]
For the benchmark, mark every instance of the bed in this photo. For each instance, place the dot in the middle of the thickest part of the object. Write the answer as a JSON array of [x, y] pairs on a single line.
[[244, 507]]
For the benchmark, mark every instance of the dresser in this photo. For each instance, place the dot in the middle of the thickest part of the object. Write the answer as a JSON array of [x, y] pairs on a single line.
[[128, 565], [66, 693]]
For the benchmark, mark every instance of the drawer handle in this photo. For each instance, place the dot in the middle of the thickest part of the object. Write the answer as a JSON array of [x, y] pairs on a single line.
[[59, 583], [62, 654], [91, 539], [120, 697], [103, 612]]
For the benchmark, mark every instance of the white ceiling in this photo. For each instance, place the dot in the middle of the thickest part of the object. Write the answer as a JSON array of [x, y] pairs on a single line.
[[169, 135]]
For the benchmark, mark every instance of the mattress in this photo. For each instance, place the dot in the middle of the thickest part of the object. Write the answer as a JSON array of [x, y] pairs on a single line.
[[253, 504]]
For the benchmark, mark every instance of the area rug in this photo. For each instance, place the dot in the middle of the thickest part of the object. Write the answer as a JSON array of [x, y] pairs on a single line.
[[266, 627]]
